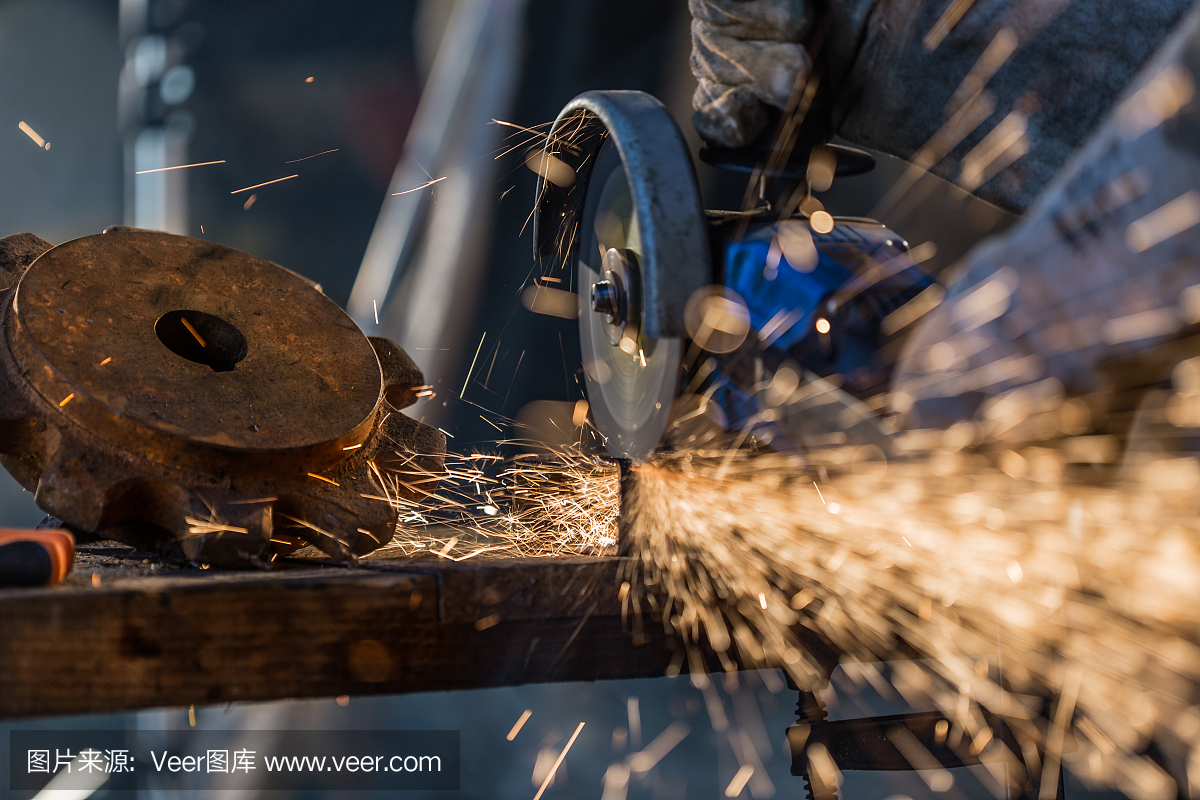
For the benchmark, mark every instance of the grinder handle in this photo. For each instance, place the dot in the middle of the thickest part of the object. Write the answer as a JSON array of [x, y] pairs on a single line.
[[35, 558]]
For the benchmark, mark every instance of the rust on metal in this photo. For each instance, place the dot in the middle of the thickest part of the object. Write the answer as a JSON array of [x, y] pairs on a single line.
[[225, 378]]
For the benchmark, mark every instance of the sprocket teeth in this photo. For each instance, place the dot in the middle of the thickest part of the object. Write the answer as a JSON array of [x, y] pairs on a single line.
[[110, 420]]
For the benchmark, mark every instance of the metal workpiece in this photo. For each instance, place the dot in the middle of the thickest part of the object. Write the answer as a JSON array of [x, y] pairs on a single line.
[[188, 398]]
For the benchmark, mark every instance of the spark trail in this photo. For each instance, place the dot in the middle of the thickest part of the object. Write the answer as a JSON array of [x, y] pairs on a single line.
[[1081, 593]]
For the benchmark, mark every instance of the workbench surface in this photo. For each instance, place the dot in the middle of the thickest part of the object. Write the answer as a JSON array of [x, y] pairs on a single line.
[[126, 632]]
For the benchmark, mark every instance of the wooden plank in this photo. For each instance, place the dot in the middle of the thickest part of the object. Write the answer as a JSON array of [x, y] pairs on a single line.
[[148, 637]]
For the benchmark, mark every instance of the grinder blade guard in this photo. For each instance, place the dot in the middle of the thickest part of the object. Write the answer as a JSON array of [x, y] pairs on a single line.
[[684, 311]]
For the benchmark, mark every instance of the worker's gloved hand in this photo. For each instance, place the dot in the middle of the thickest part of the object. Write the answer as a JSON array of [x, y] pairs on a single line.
[[746, 55]]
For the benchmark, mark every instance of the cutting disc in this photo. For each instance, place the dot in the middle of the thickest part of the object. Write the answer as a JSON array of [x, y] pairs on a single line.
[[632, 379], [628, 215]]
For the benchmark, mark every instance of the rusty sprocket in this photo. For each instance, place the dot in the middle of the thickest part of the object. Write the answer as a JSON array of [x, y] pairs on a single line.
[[182, 396]]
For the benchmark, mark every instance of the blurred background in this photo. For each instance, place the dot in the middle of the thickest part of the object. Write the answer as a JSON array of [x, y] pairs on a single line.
[[341, 109]]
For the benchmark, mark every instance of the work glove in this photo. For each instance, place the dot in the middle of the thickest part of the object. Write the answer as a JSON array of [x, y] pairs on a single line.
[[746, 55]]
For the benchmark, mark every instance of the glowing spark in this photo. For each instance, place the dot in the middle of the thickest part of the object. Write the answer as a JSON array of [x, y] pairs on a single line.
[[204, 526], [1003, 145], [821, 221], [973, 113], [913, 310], [822, 325], [249, 202], [1003, 45], [105, 361], [181, 166], [551, 302], [551, 280], [343, 700], [519, 724], [32, 134], [314, 155], [472, 369], [1160, 99], [1143, 325], [580, 413], [95, 580], [489, 422], [375, 307], [487, 622], [267, 183], [310, 79], [322, 478], [425, 185], [740, 779], [66, 399], [762, 600], [550, 167], [557, 762], [941, 29], [818, 488], [644, 761], [1164, 222], [353, 446], [192, 331]]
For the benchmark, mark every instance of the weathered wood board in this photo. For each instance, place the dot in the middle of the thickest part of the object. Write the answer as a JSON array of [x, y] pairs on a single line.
[[124, 633]]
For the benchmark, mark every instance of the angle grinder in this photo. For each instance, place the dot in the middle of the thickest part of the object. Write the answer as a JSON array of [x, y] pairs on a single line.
[[736, 317]]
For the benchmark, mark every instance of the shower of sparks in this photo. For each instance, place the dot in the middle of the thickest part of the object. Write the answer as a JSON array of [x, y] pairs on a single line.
[[180, 166], [968, 556], [267, 183], [544, 505], [201, 527], [32, 134]]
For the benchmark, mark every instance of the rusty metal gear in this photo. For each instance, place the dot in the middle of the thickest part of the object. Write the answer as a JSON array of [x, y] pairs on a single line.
[[182, 396]]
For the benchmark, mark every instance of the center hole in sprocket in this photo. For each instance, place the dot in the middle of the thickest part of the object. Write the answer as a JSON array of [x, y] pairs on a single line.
[[202, 338]]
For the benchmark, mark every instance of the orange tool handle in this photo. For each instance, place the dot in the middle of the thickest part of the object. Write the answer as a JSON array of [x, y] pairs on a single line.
[[22, 565]]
